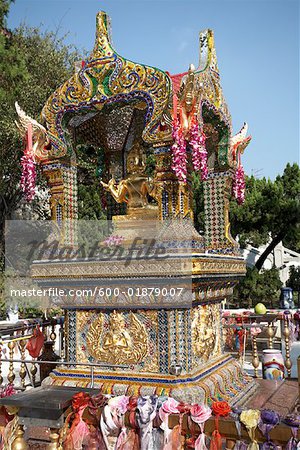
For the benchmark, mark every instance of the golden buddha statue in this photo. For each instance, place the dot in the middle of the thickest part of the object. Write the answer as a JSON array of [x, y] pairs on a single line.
[[119, 342], [117, 338], [135, 188]]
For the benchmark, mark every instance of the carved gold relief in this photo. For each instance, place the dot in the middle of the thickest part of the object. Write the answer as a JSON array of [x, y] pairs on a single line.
[[82, 318], [118, 344], [205, 331]]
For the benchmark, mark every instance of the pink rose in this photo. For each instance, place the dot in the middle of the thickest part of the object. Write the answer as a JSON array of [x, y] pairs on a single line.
[[170, 406], [200, 413]]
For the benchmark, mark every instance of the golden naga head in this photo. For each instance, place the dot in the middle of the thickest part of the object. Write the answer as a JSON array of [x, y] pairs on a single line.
[[136, 160]]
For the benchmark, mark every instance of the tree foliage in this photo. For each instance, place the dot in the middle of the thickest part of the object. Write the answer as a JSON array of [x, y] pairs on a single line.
[[4, 9], [258, 287], [294, 282], [294, 279], [90, 206], [32, 65], [271, 209]]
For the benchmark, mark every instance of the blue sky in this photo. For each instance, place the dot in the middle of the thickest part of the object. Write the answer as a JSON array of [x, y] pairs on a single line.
[[257, 46]]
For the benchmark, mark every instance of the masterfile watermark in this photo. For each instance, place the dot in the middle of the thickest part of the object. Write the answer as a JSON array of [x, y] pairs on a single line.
[[51, 292], [96, 264], [138, 249]]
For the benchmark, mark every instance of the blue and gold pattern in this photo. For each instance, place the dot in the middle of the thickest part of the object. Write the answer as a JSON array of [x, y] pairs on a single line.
[[106, 78]]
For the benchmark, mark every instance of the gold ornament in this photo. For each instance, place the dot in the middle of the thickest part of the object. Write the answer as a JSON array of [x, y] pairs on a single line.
[[188, 99], [118, 345], [82, 319], [93, 269], [133, 190], [106, 75], [54, 440], [19, 442], [205, 325]]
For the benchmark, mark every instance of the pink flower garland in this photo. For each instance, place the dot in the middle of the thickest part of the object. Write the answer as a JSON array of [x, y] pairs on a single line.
[[179, 165], [239, 184], [28, 178], [199, 155], [114, 240]]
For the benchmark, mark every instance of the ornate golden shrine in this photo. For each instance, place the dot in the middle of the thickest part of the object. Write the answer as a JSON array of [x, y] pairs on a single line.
[[131, 109]]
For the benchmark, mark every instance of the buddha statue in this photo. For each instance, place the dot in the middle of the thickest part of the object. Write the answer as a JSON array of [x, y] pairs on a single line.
[[135, 188], [117, 338]]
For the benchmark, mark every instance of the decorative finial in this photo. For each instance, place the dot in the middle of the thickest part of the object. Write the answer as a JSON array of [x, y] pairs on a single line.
[[103, 41]]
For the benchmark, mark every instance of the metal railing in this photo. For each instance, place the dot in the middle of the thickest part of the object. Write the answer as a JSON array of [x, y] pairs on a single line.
[[23, 371], [248, 343]]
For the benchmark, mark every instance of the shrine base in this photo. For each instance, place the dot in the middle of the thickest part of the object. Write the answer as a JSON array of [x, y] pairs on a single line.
[[224, 380]]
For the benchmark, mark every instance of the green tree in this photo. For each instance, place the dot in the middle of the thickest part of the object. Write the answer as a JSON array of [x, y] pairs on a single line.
[[32, 66], [4, 9], [271, 209], [259, 287], [89, 204], [294, 281]]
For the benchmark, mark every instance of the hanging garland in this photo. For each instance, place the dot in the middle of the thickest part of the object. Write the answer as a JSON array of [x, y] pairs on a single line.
[[238, 187], [199, 152], [179, 165], [28, 178]]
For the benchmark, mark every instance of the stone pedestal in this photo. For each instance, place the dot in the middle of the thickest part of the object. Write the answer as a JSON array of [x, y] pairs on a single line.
[[157, 344]]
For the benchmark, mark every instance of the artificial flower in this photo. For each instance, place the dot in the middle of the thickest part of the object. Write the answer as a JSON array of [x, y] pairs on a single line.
[[200, 413], [250, 417], [221, 409]]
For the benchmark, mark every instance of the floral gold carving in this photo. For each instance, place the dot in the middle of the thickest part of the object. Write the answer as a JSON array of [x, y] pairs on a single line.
[[118, 344], [205, 331]]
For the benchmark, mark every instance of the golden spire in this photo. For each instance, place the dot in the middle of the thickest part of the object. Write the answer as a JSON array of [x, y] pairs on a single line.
[[103, 40]]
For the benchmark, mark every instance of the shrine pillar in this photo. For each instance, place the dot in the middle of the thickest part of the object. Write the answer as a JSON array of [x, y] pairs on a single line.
[[62, 181], [217, 192], [175, 199]]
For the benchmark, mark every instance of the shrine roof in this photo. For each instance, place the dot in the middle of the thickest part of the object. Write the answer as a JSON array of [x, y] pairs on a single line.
[[106, 79]]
